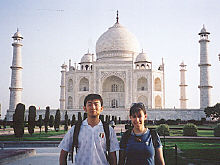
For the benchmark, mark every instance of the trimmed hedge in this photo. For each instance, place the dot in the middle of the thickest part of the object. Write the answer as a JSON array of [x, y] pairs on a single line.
[[217, 130], [163, 130], [190, 130]]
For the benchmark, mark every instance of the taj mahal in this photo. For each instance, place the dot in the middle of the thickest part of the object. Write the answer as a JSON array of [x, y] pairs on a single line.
[[122, 74]]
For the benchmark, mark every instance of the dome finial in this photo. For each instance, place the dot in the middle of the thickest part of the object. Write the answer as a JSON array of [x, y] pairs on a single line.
[[117, 18]]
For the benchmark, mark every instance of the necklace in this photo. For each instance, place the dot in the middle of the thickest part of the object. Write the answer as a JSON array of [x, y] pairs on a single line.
[[138, 138]]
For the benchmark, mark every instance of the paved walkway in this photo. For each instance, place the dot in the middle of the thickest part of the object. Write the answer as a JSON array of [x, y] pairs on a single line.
[[10, 155], [42, 156]]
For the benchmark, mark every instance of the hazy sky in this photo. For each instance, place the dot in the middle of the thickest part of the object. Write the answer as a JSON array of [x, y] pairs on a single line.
[[55, 31]]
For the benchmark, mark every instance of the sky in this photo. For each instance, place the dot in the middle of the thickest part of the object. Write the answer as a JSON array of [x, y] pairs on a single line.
[[55, 31]]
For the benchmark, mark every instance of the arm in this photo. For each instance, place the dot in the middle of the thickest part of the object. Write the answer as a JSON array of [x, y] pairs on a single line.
[[159, 160], [121, 157], [112, 158], [63, 157]]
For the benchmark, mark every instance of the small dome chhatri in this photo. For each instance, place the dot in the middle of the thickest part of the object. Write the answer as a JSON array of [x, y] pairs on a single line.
[[116, 40], [87, 58], [142, 57]]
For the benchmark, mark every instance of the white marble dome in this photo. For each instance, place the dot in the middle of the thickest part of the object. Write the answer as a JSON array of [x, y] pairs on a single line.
[[87, 58], [116, 40], [142, 57]]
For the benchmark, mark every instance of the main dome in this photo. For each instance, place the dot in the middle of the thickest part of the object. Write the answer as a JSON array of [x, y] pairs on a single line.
[[116, 43]]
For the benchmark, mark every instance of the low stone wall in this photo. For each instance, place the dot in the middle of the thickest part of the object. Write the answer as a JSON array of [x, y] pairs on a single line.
[[153, 114]]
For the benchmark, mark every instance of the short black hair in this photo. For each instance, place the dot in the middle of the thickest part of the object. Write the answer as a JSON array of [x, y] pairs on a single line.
[[93, 97], [136, 108]]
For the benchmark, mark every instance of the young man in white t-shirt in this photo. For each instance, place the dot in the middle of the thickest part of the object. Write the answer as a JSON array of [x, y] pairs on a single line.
[[91, 138]]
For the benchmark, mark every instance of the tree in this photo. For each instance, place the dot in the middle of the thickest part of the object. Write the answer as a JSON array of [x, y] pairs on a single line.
[[4, 123], [18, 120], [101, 117], [213, 112], [40, 122], [79, 116], [47, 118], [119, 120], [66, 122], [84, 116], [57, 121], [31, 119], [51, 121], [73, 120]]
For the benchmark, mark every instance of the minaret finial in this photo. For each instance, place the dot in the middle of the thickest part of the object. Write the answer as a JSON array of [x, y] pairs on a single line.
[[117, 18]]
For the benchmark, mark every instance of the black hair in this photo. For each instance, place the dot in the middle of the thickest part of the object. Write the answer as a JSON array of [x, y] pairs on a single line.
[[93, 97], [136, 108]]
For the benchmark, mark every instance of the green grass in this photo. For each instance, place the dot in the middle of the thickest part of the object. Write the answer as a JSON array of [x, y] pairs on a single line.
[[35, 137], [196, 151]]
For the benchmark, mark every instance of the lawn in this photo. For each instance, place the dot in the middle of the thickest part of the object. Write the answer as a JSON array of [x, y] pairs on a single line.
[[37, 136], [194, 151]]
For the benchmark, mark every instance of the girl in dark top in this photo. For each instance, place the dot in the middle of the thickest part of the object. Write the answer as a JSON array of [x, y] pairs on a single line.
[[140, 147]]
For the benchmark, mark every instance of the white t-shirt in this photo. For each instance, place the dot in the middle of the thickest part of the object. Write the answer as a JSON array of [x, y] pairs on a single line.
[[92, 144]]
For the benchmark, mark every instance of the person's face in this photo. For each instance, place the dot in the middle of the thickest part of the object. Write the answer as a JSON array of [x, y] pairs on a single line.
[[93, 108], [138, 119]]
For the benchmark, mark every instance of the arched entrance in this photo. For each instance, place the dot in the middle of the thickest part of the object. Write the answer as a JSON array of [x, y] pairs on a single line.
[[113, 92]]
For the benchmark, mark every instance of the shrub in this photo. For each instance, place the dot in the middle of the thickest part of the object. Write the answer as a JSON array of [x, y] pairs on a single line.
[[84, 116], [73, 120], [47, 118], [40, 122], [161, 121], [190, 130], [31, 119], [171, 122], [163, 130], [178, 121], [18, 120], [51, 121], [217, 130], [57, 121], [101, 117], [79, 116], [192, 121], [66, 122]]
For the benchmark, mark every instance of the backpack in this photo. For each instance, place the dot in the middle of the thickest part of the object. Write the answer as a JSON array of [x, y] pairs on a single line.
[[76, 134], [127, 134]]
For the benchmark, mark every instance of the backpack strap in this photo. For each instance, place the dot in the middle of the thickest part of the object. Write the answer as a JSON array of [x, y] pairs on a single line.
[[154, 136], [107, 137], [75, 138], [124, 138]]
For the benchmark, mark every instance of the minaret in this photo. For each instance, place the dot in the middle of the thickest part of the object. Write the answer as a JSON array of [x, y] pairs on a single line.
[[63, 87], [183, 86], [204, 70], [16, 72]]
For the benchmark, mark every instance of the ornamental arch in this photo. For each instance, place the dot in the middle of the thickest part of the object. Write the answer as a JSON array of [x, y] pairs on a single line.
[[113, 92], [84, 84], [158, 103], [142, 84], [157, 84]]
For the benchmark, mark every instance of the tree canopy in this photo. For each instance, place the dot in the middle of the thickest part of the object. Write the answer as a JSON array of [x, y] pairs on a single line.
[[213, 112]]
